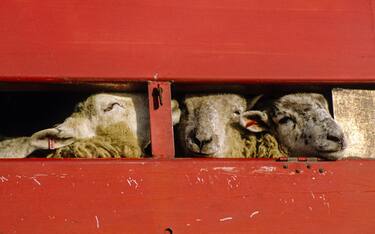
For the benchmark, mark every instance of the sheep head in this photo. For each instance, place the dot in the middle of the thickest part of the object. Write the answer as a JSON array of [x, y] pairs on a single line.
[[97, 112], [207, 124], [302, 123]]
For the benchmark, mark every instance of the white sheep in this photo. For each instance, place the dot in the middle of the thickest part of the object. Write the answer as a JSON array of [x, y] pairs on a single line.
[[301, 122], [209, 127], [103, 125]]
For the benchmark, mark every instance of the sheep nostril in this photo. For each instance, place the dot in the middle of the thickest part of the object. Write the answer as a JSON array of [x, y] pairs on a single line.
[[334, 138], [201, 143], [204, 142], [196, 141]]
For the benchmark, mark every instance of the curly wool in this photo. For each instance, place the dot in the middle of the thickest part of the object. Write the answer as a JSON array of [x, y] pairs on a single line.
[[114, 141], [255, 145], [263, 145]]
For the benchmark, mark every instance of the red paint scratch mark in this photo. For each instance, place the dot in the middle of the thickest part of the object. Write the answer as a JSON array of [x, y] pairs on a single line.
[[254, 213], [36, 181], [97, 222], [3, 179], [226, 219]]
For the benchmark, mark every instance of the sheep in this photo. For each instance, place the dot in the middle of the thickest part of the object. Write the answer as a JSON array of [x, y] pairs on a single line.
[[209, 127], [21, 147], [301, 123], [113, 141], [104, 125]]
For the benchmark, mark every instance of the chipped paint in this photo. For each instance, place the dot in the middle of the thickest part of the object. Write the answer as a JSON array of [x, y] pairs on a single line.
[[188, 179], [36, 181], [198, 220], [264, 169], [225, 169], [97, 222], [199, 180], [132, 181], [254, 213], [226, 219], [232, 181], [3, 179]]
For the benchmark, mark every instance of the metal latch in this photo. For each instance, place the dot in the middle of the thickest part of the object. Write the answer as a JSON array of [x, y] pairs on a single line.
[[157, 94]]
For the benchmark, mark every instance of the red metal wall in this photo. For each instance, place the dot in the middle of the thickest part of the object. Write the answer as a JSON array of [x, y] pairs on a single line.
[[202, 41], [241, 40], [187, 196]]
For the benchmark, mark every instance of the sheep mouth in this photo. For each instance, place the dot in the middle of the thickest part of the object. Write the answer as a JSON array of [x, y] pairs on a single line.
[[329, 151], [331, 154], [202, 154]]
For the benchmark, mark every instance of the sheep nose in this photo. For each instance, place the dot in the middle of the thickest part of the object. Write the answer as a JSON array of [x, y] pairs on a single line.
[[337, 139], [200, 142]]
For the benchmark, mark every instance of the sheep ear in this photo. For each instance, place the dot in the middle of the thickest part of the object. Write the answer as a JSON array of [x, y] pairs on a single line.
[[49, 139], [176, 112], [252, 102], [320, 98], [254, 121]]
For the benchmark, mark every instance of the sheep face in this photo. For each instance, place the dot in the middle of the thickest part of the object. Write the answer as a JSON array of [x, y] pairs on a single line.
[[103, 110], [206, 123], [302, 123]]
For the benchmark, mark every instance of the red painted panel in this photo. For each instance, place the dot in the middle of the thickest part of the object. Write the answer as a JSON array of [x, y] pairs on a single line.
[[252, 40], [161, 119], [188, 196]]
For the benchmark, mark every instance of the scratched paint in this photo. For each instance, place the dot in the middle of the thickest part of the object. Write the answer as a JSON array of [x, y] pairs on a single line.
[[3, 179], [233, 182], [264, 169], [254, 213], [36, 181], [97, 222], [225, 219], [225, 169]]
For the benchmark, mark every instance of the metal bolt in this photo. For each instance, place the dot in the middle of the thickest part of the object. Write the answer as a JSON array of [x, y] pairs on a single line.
[[308, 166], [321, 170], [168, 231], [285, 166], [298, 170]]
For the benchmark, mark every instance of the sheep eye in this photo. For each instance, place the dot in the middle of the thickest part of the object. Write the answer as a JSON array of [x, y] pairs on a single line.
[[237, 112], [111, 106], [285, 120]]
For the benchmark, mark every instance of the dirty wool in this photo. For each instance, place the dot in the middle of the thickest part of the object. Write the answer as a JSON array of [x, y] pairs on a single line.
[[114, 141]]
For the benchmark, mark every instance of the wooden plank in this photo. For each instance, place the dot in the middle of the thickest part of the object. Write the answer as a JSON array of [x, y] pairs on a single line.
[[211, 41], [354, 111], [188, 196]]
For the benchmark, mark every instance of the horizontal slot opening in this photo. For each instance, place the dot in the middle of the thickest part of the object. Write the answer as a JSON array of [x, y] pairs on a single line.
[[195, 140], [102, 124]]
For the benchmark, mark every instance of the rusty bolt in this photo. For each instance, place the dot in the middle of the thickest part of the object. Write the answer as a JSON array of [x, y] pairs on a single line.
[[298, 171], [285, 166], [321, 170], [308, 166]]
